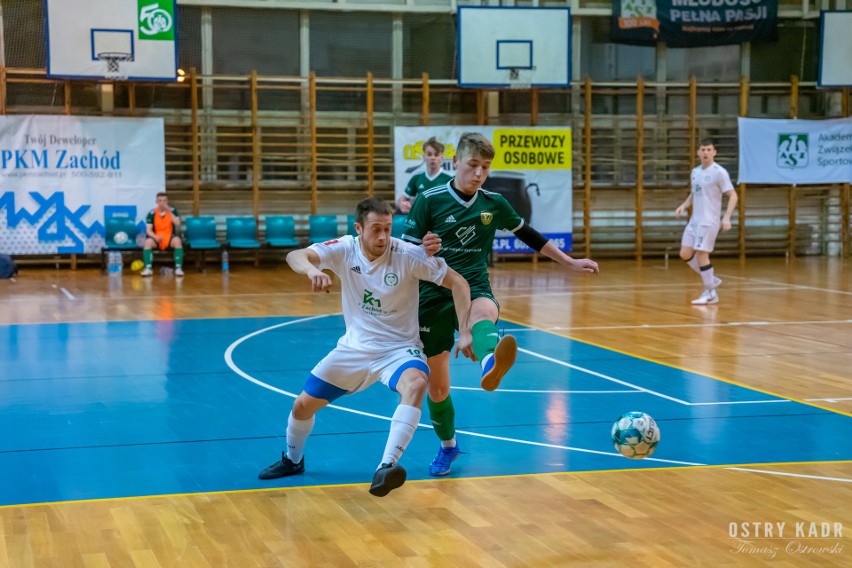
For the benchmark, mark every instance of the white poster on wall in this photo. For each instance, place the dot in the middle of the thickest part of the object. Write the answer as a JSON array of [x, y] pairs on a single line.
[[531, 169], [61, 176], [795, 151]]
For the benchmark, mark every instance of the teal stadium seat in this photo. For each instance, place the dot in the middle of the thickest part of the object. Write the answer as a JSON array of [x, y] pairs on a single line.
[[126, 230], [281, 231], [398, 226], [241, 233], [323, 228], [200, 233], [350, 226], [118, 225]]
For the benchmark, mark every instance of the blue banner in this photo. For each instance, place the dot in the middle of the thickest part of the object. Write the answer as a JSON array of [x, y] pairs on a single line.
[[694, 23]]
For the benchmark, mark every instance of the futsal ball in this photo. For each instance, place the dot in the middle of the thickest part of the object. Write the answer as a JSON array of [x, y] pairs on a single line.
[[120, 238], [136, 265], [635, 435]]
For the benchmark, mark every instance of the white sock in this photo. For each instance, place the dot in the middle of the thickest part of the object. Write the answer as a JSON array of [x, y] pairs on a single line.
[[693, 264], [451, 443], [707, 276], [297, 433], [403, 424]]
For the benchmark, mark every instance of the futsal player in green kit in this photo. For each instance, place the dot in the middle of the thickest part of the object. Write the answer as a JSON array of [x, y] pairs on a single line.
[[465, 218]]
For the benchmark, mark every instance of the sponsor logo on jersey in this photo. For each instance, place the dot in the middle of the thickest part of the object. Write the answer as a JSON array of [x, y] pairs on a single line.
[[356, 269], [391, 279], [370, 300], [450, 219], [486, 217]]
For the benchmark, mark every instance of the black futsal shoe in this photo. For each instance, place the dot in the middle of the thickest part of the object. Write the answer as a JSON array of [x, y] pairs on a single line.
[[387, 478], [282, 468]]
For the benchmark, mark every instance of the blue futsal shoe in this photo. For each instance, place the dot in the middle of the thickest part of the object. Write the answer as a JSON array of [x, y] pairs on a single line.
[[498, 364], [441, 464]]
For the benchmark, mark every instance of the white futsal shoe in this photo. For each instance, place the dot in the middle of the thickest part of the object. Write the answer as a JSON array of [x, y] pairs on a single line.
[[706, 297]]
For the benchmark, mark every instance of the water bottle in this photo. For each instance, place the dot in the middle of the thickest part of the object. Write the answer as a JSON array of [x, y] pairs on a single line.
[[225, 261], [114, 260]]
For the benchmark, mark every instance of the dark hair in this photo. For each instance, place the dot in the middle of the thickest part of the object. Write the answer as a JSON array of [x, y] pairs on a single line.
[[371, 205], [434, 144], [162, 194], [706, 142], [474, 143]]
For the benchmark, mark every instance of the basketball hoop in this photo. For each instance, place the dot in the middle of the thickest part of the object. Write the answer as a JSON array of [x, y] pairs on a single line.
[[518, 80], [113, 61]]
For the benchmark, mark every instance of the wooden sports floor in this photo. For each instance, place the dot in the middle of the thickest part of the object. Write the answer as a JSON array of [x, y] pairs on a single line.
[[135, 414]]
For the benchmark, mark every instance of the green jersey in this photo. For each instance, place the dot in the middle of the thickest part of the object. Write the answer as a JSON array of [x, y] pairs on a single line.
[[421, 182], [466, 228]]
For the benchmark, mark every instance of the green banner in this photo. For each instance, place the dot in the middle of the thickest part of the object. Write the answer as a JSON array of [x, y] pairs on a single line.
[[157, 20]]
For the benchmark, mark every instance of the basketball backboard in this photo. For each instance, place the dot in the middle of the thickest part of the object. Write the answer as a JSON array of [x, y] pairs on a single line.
[[514, 47], [835, 50], [111, 39]]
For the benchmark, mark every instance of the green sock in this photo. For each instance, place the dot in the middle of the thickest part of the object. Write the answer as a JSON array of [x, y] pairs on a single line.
[[148, 257], [443, 417], [179, 257], [485, 338]]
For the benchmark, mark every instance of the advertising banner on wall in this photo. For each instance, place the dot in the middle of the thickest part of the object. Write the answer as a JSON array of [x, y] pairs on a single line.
[[693, 23], [61, 176], [531, 169], [795, 151]]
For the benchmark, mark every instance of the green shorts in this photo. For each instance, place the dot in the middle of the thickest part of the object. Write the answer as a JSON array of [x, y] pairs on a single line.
[[438, 321]]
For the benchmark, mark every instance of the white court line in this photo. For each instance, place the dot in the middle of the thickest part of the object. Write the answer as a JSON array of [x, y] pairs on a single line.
[[678, 325], [796, 286], [524, 391], [68, 294], [602, 376], [229, 360], [786, 474]]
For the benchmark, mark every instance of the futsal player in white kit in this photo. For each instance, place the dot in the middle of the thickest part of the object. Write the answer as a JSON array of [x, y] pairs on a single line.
[[379, 277], [709, 182]]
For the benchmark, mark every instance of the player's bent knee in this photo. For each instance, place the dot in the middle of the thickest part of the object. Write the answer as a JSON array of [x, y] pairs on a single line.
[[177, 243], [686, 253]]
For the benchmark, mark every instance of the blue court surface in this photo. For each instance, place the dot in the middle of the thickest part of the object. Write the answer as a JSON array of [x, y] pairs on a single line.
[[119, 409]]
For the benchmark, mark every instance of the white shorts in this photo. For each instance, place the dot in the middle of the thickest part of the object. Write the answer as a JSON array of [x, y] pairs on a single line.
[[700, 237], [344, 371]]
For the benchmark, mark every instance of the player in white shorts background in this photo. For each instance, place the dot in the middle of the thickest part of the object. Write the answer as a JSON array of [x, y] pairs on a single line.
[[379, 278], [710, 182]]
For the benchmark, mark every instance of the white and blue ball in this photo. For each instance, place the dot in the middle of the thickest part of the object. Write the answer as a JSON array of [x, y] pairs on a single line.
[[635, 435]]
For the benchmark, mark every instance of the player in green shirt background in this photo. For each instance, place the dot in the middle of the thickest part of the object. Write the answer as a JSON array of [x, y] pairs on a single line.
[[433, 155], [465, 218]]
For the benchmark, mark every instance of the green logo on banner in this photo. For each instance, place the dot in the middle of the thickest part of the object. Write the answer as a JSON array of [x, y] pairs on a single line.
[[156, 20], [792, 150]]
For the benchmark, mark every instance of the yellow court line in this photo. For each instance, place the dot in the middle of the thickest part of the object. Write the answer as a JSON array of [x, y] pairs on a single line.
[[642, 357], [427, 480]]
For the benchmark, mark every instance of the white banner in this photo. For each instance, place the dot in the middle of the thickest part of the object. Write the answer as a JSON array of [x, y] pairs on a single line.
[[795, 151], [61, 176], [531, 169]]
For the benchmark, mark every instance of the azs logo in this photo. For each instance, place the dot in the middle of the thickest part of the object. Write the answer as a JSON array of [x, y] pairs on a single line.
[[792, 150]]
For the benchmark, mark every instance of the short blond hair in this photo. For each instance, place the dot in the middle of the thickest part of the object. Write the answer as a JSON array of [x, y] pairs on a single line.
[[474, 143]]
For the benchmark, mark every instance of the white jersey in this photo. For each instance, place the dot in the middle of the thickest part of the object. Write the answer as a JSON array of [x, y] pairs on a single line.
[[708, 185], [380, 298]]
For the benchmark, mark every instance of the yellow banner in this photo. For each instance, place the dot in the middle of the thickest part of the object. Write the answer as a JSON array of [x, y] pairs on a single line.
[[532, 149]]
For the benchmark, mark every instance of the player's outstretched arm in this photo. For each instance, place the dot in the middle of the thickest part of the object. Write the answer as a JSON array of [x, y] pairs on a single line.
[[545, 246], [551, 251], [461, 299], [305, 261]]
